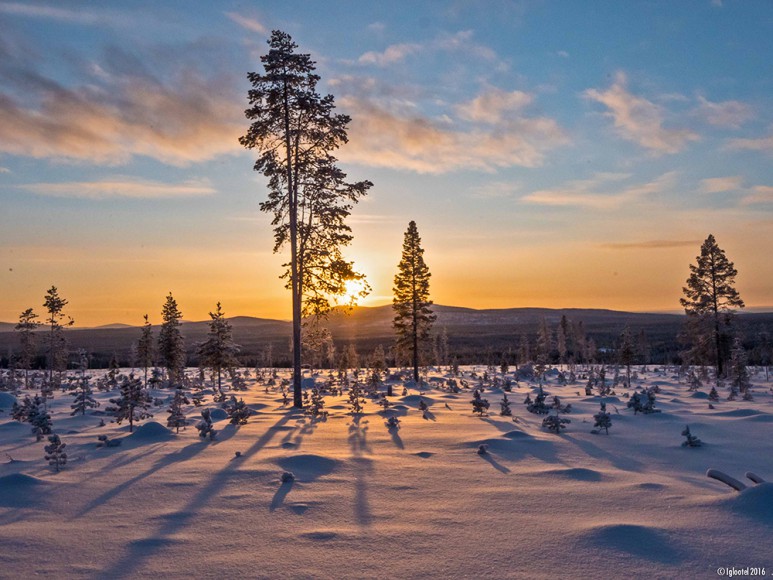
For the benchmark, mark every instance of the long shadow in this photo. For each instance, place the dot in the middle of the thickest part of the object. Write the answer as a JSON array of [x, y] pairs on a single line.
[[501, 425], [621, 462], [494, 463], [363, 467], [140, 551], [182, 455], [280, 495], [393, 432]]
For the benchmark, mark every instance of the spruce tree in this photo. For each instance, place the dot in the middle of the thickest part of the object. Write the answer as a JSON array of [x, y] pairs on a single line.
[[413, 314], [626, 353], [218, 352], [738, 373], [710, 299], [83, 392], [28, 341], [132, 404], [171, 346], [295, 131], [176, 417], [145, 350], [602, 419], [204, 426], [55, 453], [56, 320]]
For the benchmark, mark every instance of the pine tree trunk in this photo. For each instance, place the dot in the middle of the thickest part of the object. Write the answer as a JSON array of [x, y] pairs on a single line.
[[296, 282]]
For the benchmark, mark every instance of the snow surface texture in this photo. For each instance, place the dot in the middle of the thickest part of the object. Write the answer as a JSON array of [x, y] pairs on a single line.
[[408, 502]]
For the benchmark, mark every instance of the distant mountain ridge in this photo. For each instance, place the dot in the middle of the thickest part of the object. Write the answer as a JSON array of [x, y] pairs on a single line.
[[471, 331]]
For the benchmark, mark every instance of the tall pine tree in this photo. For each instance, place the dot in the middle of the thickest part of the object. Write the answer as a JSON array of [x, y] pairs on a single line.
[[56, 320], [145, 350], [26, 328], [171, 346], [295, 131], [709, 300], [218, 352], [413, 315]]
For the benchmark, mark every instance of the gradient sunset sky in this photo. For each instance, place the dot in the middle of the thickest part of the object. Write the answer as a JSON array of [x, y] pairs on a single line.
[[552, 153]]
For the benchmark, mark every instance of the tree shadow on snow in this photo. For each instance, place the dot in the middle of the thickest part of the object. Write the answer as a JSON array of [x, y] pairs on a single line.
[[280, 495], [626, 463], [157, 541], [494, 463]]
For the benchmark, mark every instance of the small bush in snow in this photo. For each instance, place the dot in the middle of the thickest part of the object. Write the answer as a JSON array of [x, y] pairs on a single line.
[[554, 423], [479, 405], [602, 420], [55, 453], [691, 440]]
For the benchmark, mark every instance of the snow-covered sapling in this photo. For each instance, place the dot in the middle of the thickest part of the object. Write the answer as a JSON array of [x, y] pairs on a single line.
[[288, 477], [483, 449], [602, 420], [554, 423], [691, 440], [176, 417], [133, 403], [504, 405], [39, 418], [315, 403], [55, 453], [238, 411], [393, 423], [83, 396], [713, 395], [356, 399], [105, 441], [479, 405], [538, 406], [205, 425]]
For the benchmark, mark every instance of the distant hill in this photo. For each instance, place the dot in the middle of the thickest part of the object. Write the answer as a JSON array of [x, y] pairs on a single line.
[[472, 332]]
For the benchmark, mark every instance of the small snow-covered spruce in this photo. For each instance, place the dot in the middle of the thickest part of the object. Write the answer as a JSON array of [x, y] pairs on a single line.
[[602, 420], [83, 396], [539, 407], [133, 403], [176, 417], [559, 407], [504, 406], [554, 423], [315, 403], [288, 477], [204, 426], [738, 374], [483, 449], [39, 418], [643, 402], [238, 411], [713, 395], [55, 453], [393, 423], [356, 399], [479, 404], [693, 381], [691, 440], [384, 402]]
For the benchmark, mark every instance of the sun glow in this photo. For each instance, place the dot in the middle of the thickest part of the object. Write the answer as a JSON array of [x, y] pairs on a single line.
[[353, 293]]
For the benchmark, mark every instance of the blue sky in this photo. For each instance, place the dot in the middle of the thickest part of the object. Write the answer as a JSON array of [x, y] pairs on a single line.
[[560, 154]]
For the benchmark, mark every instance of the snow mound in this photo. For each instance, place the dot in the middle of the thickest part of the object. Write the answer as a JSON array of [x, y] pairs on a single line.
[[738, 413], [646, 542], [308, 467], [7, 400], [19, 481], [151, 430], [755, 502], [20, 490], [576, 474], [517, 434], [218, 414], [413, 400], [699, 395]]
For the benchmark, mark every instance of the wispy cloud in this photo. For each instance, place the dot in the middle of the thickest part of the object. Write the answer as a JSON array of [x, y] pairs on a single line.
[[650, 244], [401, 138], [760, 194], [392, 54], [494, 106], [460, 41], [728, 114], [49, 12], [121, 187], [495, 190], [640, 120], [119, 112], [764, 144], [599, 192], [247, 23], [4, 170], [721, 184]]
